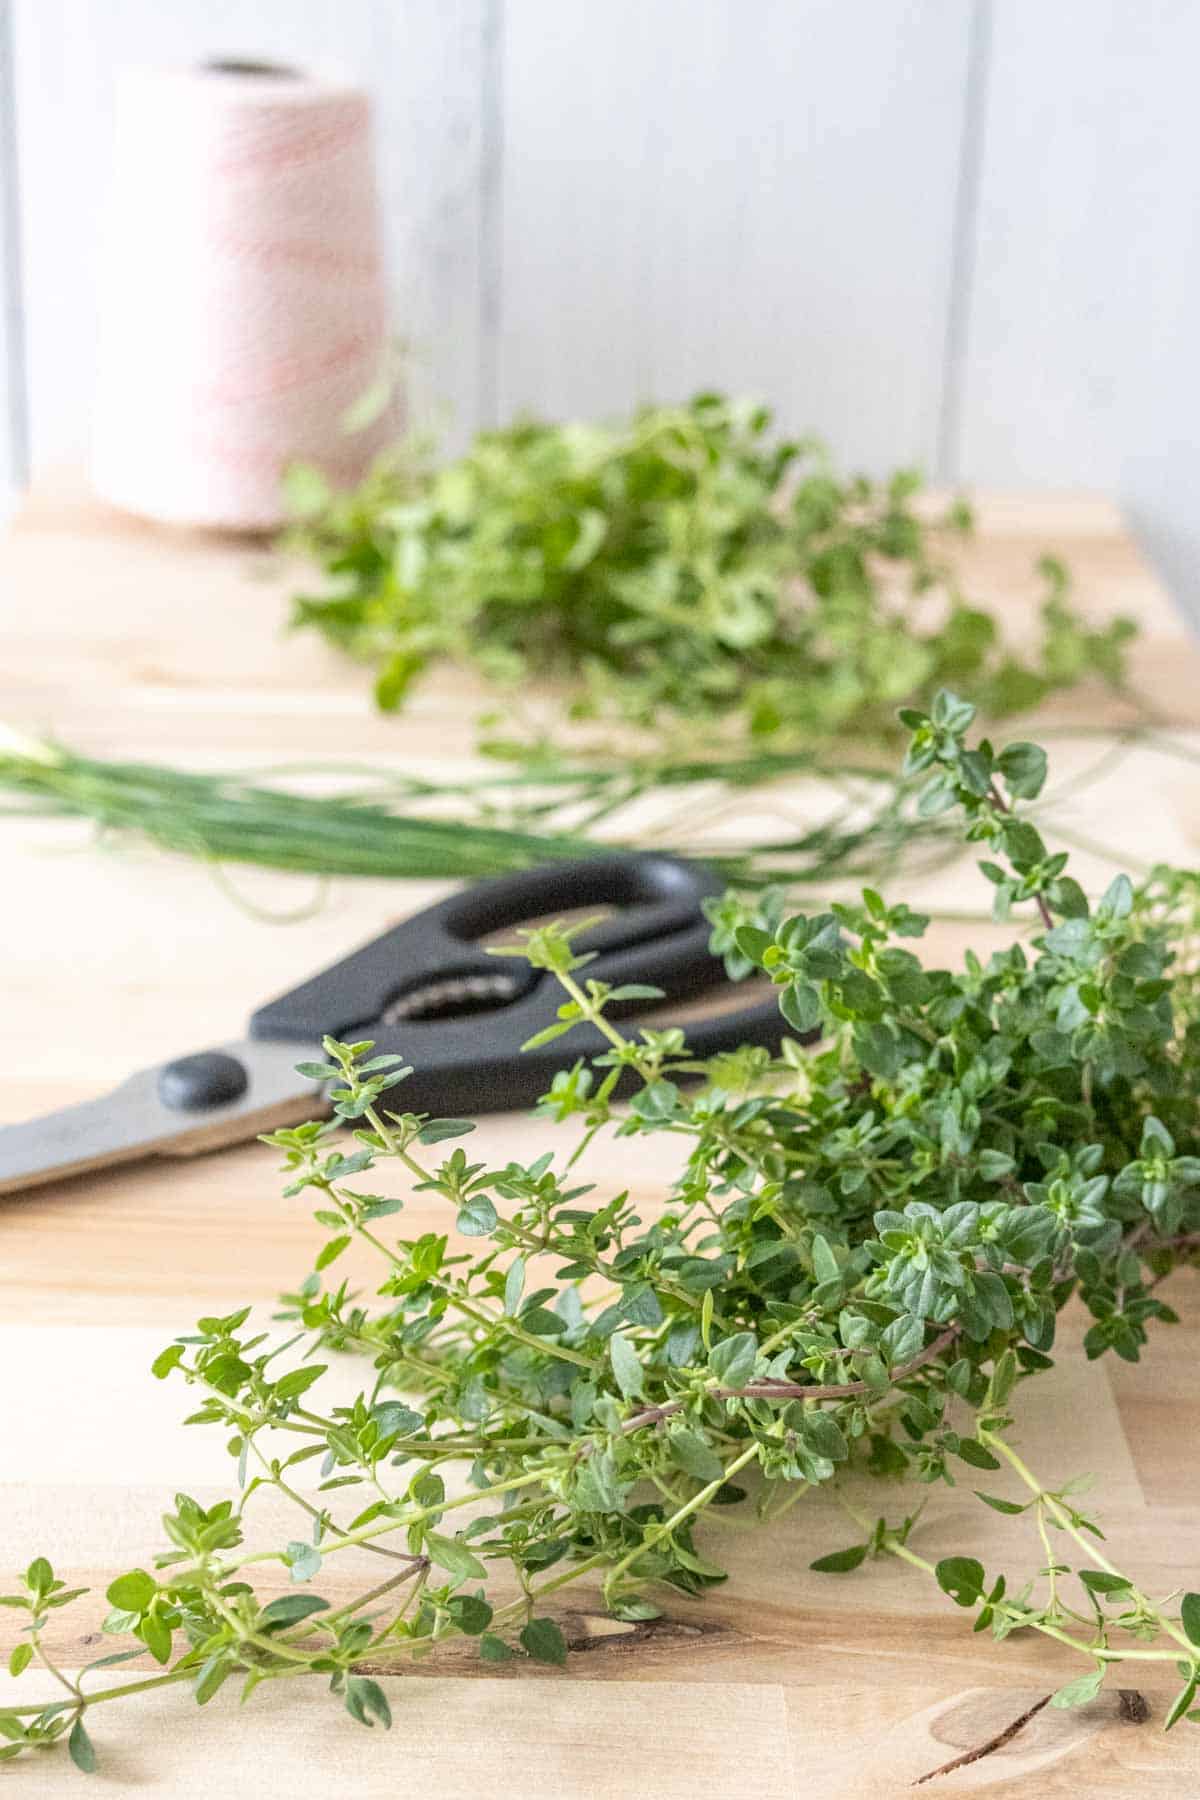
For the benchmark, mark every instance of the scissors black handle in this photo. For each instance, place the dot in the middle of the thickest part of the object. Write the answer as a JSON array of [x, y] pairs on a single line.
[[426, 990]]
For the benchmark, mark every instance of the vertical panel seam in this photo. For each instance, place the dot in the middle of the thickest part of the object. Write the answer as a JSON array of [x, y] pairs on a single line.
[[964, 241], [491, 205], [11, 297]]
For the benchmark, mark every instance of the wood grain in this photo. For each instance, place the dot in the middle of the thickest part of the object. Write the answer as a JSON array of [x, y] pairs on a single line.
[[783, 1682]]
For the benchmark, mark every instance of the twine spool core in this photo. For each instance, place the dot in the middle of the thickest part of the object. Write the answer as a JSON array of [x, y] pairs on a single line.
[[259, 71]]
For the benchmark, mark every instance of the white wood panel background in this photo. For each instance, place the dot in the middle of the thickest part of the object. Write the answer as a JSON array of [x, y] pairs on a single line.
[[960, 233], [716, 195], [13, 422], [1082, 352]]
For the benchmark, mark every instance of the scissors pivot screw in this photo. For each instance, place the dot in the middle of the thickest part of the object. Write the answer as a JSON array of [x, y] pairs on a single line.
[[210, 1078]]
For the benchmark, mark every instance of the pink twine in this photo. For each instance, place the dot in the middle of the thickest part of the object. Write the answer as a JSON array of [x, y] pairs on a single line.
[[244, 306]]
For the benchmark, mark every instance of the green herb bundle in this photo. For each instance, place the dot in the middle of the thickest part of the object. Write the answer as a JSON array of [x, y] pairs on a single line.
[[683, 571], [862, 1259]]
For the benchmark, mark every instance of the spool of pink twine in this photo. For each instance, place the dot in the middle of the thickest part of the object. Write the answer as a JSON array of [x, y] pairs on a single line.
[[243, 299]]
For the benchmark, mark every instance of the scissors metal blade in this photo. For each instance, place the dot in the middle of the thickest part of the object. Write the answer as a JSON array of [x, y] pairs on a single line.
[[133, 1121]]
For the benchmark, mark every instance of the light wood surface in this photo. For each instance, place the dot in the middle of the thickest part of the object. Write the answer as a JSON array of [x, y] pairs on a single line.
[[133, 642]]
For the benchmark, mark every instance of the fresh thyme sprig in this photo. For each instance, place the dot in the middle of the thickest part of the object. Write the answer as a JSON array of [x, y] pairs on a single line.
[[864, 1254]]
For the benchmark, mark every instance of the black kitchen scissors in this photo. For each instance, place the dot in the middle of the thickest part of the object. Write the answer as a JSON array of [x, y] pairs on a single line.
[[428, 990]]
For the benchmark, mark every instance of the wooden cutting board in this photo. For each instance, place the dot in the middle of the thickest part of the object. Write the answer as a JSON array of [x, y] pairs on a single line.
[[130, 641]]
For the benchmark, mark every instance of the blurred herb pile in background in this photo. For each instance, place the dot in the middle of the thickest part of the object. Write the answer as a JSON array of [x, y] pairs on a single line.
[[682, 569]]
